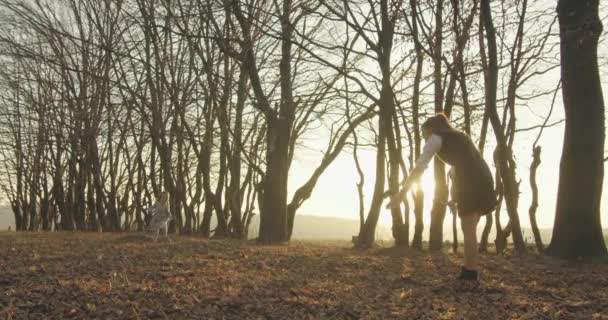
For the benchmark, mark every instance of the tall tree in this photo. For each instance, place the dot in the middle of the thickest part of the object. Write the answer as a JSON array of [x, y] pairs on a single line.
[[441, 190], [419, 193], [577, 230]]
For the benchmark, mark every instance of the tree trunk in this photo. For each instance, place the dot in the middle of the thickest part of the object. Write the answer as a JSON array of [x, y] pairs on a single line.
[[419, 224], [273, 217], [419, 194], [534, 205], [360, 184], [387, 113], [485, 234], [506, 162], [438, 209], [577, 230], [236, 200], [500, 242], [367, 236], [17, 213], [483, 244], [454, 230], [221, 211]]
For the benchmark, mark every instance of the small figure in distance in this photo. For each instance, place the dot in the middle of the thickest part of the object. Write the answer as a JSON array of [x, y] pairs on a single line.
[[160, 216]]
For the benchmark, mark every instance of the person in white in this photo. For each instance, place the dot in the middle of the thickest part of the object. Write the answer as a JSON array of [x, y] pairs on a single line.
[[160, 216]]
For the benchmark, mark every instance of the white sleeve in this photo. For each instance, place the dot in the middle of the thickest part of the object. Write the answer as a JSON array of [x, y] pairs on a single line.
[[431, 147]]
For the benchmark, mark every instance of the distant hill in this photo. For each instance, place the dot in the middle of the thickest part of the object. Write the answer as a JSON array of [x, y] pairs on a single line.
[[307, 227], [313, 227]]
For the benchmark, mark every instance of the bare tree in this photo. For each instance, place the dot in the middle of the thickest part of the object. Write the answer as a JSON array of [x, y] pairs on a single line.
[[577, 230]]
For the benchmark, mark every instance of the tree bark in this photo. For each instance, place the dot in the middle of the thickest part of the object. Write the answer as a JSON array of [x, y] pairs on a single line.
[[577, 230]]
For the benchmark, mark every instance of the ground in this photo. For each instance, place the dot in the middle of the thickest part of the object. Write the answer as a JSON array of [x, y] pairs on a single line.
[[126, 276]]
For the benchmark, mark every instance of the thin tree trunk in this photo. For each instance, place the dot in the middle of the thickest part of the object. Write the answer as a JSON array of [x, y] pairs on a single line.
[[387, 113], [438, 209], [534, 205], [506, 163], [368, 235], [419, 194]]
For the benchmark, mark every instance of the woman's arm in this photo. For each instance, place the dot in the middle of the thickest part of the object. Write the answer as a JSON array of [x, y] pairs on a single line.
[[431, 147]]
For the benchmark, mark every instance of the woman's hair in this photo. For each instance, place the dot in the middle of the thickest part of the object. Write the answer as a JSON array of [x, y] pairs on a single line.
[[438, 123]]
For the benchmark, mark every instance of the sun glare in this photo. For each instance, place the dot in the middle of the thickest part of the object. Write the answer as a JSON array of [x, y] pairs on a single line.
[[427, 182]]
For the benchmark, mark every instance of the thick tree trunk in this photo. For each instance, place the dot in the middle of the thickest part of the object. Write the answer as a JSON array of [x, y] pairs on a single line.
[[205, 227], [577, 230], [44, 206], [273, 217], [17, 214]]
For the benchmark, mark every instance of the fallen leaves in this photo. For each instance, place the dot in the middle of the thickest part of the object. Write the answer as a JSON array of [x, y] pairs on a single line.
[[105, 276]]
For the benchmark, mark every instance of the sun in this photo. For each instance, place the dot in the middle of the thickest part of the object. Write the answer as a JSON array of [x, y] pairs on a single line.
[[426, 182]]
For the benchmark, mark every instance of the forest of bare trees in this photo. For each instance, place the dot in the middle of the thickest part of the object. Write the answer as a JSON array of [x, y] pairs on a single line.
[[106, 103]]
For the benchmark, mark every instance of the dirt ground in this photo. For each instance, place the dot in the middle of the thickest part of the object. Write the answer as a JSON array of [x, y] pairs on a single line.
[[127, 276]]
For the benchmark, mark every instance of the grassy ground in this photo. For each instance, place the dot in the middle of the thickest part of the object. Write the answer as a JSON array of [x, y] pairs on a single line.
[[125, 276]]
